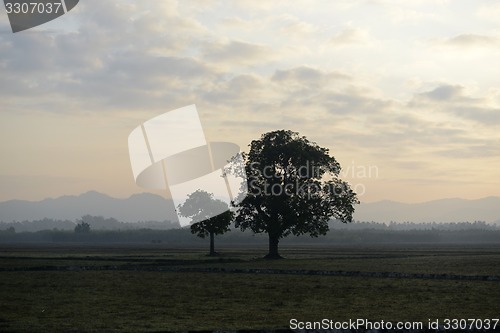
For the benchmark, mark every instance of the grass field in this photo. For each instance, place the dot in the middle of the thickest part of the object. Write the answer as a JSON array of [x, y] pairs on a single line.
[[130, 296]]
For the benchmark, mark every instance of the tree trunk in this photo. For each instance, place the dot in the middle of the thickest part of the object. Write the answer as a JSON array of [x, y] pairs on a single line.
[[273, 247], [212, 245]]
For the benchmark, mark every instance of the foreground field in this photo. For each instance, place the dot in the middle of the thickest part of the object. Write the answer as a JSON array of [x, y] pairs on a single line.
[[129, 295]]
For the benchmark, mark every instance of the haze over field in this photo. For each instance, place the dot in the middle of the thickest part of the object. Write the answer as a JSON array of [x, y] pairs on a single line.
[[405, 94]]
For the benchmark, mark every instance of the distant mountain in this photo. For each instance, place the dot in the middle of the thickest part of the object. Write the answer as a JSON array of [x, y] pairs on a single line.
[[151, 207], [445, 210], [139, 207]]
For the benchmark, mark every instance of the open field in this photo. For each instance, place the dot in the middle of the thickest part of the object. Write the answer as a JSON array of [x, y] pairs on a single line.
[[126, 288]]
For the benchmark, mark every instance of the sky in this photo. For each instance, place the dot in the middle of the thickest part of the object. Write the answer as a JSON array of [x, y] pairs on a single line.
[[405, 94]]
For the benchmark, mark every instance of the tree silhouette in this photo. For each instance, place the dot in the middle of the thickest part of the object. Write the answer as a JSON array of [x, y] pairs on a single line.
[[293, 188], [82, 228], [209, 216]]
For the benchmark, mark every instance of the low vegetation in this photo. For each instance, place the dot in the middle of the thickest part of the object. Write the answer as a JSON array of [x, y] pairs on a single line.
[[142, 298]]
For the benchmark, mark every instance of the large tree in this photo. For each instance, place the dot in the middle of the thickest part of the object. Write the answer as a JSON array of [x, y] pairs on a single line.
[[209, 216], [293, 188]]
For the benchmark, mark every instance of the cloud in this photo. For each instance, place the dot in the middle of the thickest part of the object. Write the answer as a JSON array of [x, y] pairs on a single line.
[[235, 22], [402, 15], [454, 100], [306, 75], [248, 74], [239, 89], [489, 12], [259, 6], [237, 53], [350, 36], [444, 93], [472, 40], [295, 28], [18, 55], [479, 114], [486, 150], [117, 55]]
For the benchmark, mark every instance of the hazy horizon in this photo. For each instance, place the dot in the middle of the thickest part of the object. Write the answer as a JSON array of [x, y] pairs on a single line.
[[149, 207], [159, 193], [405, 95]]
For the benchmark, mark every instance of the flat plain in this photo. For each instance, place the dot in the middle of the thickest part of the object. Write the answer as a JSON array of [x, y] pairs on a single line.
[[153, 288]]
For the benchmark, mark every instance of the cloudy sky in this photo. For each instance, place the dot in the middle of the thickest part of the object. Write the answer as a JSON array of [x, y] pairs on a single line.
[[406, 94]]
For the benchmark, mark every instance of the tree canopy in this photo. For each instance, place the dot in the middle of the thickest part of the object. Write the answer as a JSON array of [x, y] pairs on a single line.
[[209, 216], [293, 188]]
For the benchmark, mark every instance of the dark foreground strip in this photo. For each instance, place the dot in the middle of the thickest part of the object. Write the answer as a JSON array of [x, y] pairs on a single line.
[[260, 271]]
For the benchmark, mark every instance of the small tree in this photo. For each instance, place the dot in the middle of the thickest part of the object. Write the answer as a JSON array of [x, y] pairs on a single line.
[[293, 188], [209, 216], [82, 228]]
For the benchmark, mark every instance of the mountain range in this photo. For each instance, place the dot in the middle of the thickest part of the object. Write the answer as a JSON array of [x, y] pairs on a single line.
[[138, 207], [444, 210], [152, 207]]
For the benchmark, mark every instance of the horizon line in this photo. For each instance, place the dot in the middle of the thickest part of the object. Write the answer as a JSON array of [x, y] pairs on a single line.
[[156, 194]]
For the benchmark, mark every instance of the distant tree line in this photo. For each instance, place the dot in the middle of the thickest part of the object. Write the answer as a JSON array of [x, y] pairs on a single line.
[[368, 233], [101, 223], [95, 223], [361, 225]]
